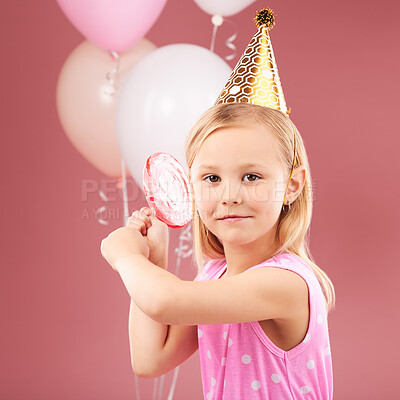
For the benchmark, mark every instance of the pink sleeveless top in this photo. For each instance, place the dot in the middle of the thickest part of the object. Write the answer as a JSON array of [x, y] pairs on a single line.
[[239, 361]]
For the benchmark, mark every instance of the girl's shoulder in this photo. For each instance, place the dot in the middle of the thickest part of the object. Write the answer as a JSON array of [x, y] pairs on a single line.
[[296, 264], [286, 260], [211, 269], [290, 262]]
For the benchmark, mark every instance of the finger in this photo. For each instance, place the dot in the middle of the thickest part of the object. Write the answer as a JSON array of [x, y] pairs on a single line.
[[140, 215], [145, 217], [143, 230], [150, 212], [132, 219], [135, 221], [143, 213], [146, 210], [139, 225]]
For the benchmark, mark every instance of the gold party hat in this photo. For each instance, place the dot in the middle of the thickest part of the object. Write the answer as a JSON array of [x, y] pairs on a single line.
[[255, 78]]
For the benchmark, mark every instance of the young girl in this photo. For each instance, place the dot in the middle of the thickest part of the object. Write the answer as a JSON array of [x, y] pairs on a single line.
[[257, 310]]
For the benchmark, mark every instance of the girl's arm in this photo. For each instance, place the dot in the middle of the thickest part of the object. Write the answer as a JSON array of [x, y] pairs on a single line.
[[145, 282], [258, 294], [157, 348], [149, 355], [146, 338]]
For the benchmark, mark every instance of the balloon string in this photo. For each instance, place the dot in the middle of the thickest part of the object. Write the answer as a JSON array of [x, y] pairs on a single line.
[[183, 251], [124, 192], [155, 381], [160, 389], [112, 75], [99, 219], [217, 21], [230, 40], [173, 383], [185, 236], [125, 217], [214, 34], [137, 391]]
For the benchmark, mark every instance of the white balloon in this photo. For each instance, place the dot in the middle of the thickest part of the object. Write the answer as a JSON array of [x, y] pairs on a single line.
[[161, 99], [225, 8]]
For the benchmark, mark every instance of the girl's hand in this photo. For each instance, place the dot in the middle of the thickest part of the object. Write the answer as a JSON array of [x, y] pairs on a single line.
[[123, 243], [155, 232]]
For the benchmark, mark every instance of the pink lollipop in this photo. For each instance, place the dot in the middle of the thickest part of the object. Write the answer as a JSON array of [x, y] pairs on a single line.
[[166, 188]]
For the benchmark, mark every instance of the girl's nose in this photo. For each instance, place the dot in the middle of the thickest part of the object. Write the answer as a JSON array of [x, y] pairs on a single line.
[[231, 194], [230, 202]]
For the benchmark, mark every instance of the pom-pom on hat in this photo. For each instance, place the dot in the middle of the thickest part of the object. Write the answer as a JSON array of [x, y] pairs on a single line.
[[255, 78]]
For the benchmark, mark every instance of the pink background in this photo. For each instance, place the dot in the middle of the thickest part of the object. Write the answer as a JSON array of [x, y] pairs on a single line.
[[65, 311]]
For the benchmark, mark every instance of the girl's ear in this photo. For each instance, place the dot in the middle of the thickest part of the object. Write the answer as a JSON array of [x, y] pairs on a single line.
[[297, 182]]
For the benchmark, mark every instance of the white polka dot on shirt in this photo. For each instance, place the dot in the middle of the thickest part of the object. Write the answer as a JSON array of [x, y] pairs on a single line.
[[208, 395], [255, 385], [230, 342], [200, 332], [246, 359], [307, 338], [319, 319], [305, 389], [310, 364], [209, 354], [223, 361], [327, 351], [275, 378], [213, 381], [225, 335]]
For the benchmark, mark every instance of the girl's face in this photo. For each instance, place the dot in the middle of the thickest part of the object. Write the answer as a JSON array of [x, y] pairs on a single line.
[[238, 171]]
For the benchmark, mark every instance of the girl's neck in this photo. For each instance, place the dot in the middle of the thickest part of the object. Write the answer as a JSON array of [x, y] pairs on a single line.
[[239, 258]]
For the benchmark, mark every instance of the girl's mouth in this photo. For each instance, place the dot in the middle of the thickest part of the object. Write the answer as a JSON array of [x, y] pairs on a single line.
[[233, 219]]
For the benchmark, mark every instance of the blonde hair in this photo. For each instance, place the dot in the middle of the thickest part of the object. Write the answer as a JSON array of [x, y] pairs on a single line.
[[292, 233]]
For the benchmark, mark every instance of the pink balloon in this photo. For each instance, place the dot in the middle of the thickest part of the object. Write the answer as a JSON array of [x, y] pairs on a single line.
[[86, 105], [113, 25]]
